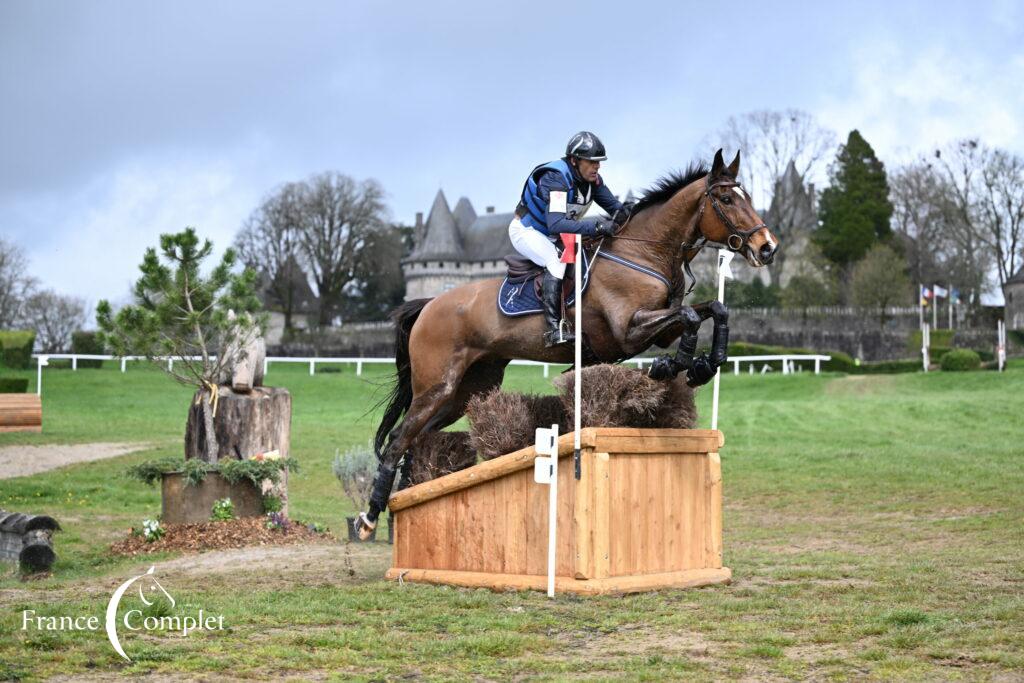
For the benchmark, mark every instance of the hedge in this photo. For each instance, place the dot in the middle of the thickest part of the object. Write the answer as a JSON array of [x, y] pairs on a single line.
[[960, 360], [13, 385], [16, 346], [87, 342]]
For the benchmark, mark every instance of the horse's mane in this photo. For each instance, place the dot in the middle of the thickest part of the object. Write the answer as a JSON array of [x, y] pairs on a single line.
[[668, 185]]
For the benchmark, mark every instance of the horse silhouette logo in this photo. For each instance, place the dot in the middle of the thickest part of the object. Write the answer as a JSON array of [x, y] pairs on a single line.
[[154, 589]]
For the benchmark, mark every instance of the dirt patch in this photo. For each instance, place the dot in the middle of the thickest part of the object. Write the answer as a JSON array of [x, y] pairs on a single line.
[[21, 461], [237, 533]]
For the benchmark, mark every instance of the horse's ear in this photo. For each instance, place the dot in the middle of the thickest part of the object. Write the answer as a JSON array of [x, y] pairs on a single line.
[[734, 167], [717, 165]]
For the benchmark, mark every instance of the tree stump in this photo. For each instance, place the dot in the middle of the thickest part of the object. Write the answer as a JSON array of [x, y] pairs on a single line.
[[245, 424]]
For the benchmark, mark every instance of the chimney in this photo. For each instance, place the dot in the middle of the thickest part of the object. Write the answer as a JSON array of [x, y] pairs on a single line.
[[490, 209], [419, 220], [417, 231]]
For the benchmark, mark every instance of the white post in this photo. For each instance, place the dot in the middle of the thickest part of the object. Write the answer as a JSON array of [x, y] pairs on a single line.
[[935, 309], [1001, 344], [40, 362], [545, 370], [359, 368], [578, 356], [74, 362], [170, 364], [924, 345], [123, 360], [736, 367], [724, 257], [553, 513], [817, 366], [949, 302], [311, 364]]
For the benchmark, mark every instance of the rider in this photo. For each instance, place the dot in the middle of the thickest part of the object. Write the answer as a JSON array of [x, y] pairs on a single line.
[[554, 199]]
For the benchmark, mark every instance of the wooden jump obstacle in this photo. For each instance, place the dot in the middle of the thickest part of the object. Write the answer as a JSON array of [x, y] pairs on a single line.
[[21, 413], [645, 514]]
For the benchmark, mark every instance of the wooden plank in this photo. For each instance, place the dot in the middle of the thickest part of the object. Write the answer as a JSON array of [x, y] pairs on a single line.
[[601, 507], [514, 582], [583, 518], [658, 440], [713, 502], [485, 471]]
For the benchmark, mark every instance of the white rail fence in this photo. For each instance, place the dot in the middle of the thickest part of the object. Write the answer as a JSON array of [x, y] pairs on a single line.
[[789, 362]]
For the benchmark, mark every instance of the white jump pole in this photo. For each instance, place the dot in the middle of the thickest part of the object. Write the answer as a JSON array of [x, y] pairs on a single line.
[[724, 257]]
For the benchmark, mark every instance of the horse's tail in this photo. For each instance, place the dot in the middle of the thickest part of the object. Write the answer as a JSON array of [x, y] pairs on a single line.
[[400, 398]]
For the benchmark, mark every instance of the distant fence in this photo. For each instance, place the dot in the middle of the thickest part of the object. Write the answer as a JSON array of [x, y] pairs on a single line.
[[789, 362]]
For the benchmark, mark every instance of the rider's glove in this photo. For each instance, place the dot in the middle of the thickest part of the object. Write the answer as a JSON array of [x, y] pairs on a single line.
[[622, 215], [604, 229]]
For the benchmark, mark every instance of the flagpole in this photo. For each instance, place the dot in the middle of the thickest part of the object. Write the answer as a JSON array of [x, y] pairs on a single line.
[[935, 309], [949, 300], [920, 306]]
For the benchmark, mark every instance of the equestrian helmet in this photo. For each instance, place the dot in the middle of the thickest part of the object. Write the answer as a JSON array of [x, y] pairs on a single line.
[[585, 145]]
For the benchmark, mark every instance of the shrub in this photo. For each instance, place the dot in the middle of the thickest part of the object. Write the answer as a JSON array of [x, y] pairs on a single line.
[[89, 343], [436, 454], [960, 359], [17, 348], [13, 385], [355, 469], [223, 510]]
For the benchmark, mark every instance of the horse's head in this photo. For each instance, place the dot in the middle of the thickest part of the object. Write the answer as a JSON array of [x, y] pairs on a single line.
[[732, 220]]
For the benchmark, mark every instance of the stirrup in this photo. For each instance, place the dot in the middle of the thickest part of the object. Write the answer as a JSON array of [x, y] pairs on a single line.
[[563, 335]]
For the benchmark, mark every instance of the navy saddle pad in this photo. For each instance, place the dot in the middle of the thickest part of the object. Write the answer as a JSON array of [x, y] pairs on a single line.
[[521, 298]]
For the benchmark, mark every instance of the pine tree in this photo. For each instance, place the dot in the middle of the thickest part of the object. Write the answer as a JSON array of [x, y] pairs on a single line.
[[855, 209]]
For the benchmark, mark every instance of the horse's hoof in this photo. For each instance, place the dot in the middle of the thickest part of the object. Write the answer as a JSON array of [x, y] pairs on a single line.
[[364, 527]]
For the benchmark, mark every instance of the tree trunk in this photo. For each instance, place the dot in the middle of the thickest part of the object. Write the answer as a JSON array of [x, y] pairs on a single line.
[[245, 424]]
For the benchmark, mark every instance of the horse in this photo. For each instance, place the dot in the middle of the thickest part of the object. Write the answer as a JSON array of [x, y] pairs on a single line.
[[458, 343]]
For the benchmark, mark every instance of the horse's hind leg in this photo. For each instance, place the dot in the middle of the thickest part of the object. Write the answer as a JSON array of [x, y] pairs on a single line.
[[431, 409]]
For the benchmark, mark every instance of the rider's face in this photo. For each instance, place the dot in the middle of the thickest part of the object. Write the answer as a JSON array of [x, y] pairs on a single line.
[[588, 169]]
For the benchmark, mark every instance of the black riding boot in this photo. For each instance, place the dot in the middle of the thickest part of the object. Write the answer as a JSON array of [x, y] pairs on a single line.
[[551, 297]]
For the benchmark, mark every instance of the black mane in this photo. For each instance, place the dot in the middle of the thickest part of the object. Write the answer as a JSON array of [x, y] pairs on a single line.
[[668, 185]]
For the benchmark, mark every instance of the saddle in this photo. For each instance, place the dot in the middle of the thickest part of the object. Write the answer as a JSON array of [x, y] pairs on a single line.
[[522, 269]]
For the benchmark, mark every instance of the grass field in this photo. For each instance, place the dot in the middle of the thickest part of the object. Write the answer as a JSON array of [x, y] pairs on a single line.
[[874, 526]]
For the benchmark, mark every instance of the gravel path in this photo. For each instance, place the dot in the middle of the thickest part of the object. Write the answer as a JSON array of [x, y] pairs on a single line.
[[20, 461]]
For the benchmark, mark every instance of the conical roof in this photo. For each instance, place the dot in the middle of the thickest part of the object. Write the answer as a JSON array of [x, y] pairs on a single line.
[[441, 240], [464, 215]]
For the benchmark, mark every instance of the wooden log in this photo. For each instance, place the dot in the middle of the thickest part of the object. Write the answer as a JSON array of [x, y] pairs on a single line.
[[28, 539], [21, 413]]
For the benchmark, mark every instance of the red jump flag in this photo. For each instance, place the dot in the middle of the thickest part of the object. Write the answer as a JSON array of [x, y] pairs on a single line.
[[569, 244]]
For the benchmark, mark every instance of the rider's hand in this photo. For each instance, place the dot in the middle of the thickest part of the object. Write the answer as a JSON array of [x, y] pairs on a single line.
[[622, 215], [604, 229]]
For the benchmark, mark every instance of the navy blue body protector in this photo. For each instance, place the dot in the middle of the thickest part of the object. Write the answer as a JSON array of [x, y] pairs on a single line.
[[536, 209]]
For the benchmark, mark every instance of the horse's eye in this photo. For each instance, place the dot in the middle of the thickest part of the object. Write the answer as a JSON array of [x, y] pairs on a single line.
[[726, 199]]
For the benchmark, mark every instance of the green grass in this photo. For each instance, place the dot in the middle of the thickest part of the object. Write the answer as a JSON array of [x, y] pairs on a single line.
[[873, 525]]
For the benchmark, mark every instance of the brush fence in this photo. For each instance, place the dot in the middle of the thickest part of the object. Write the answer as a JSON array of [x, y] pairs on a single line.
[[645, 514]]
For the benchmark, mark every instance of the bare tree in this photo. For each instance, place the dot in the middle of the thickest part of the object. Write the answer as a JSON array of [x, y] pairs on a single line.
[[338, 215], [770, 141], [269, 244], [879, 281], [920, 199], [1001, 208], [54, 317], [16, 285]]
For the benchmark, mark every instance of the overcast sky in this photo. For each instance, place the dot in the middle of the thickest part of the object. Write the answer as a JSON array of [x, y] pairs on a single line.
[[123, 120]]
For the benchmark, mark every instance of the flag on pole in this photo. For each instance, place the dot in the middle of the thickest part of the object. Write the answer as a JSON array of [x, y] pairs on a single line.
[[954, 295], [926, 294], [940, 291]]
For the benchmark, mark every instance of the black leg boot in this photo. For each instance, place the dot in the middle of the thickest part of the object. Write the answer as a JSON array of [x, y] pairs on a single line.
[[551, 297]]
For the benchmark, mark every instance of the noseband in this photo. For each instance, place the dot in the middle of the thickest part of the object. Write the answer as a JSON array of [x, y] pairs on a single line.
[[738, 237]]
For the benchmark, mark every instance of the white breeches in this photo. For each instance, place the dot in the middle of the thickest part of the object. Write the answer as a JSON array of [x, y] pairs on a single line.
[[535, 246]]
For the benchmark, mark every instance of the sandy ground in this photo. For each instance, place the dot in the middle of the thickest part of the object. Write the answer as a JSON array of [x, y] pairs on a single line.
[[20, 461]]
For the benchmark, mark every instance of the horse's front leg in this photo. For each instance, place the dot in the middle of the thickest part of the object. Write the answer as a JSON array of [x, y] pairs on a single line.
[[702, 369]]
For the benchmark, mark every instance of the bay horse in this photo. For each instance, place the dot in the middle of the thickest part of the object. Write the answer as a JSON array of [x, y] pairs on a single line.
[[457, 344]]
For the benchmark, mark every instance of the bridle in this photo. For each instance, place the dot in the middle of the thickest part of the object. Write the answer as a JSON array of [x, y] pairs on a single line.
[[738, 237]]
